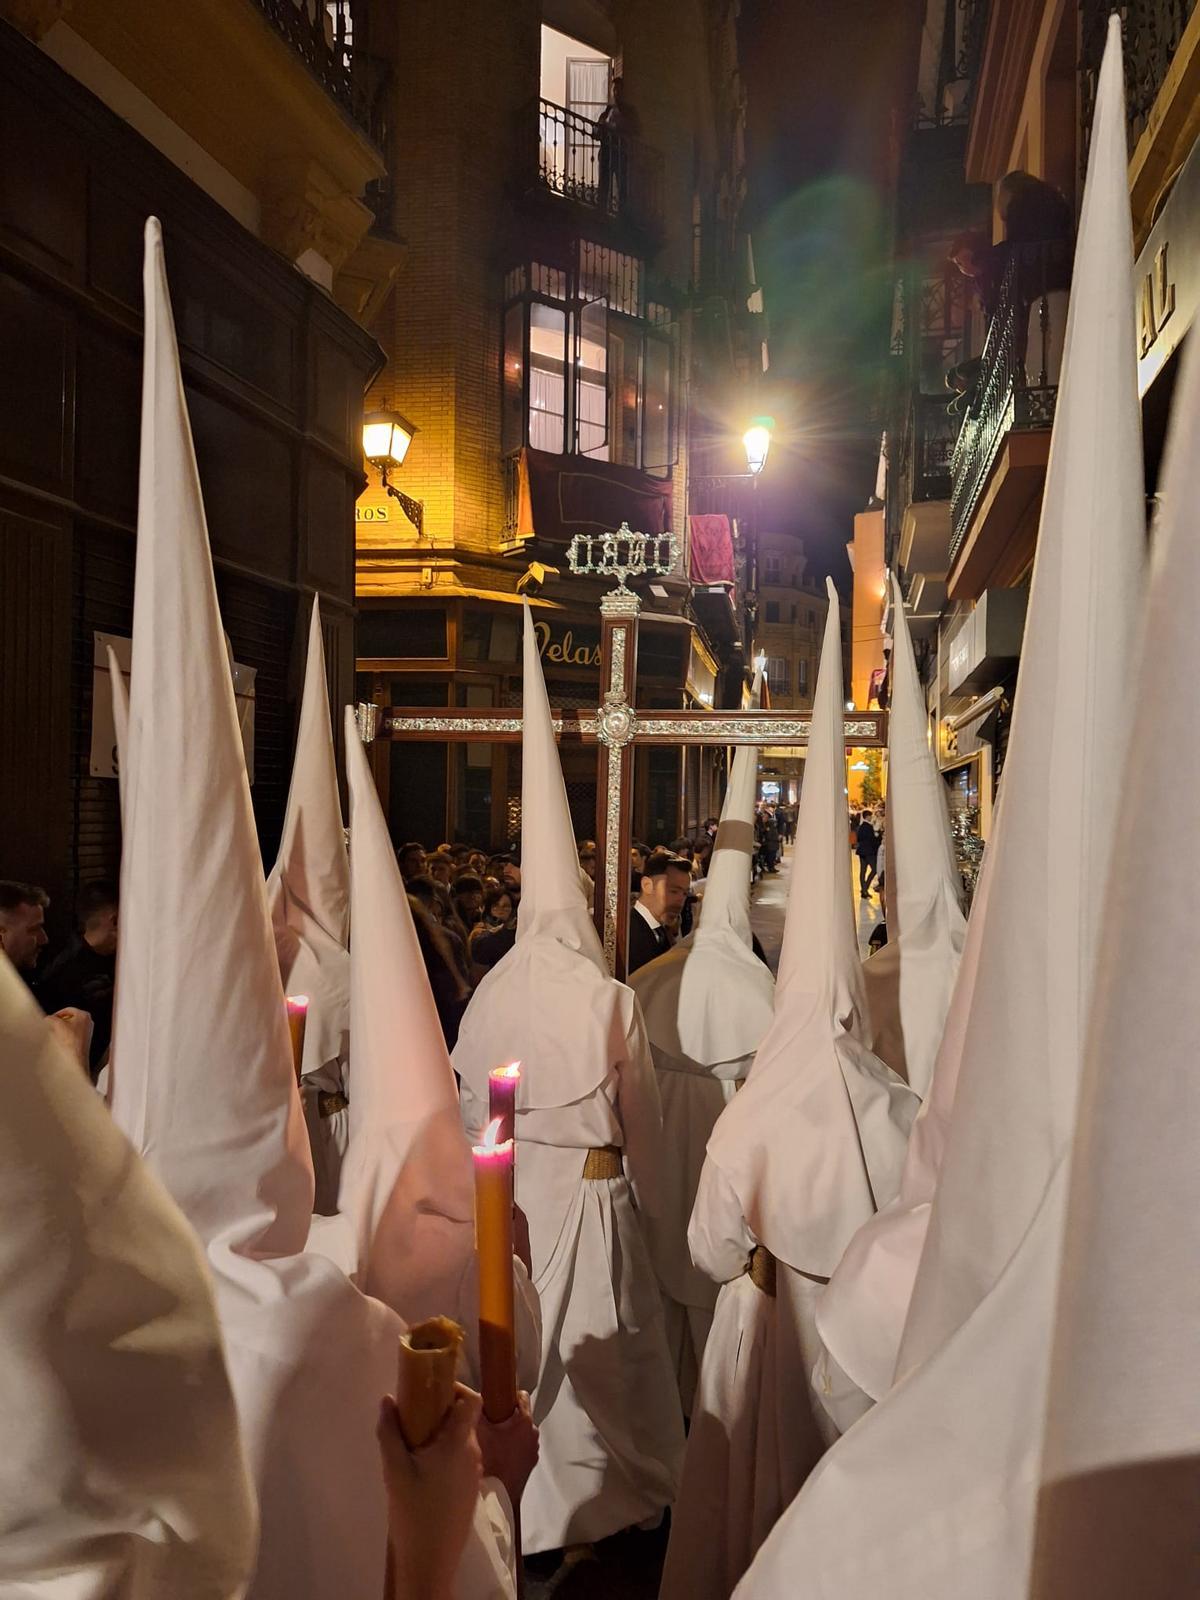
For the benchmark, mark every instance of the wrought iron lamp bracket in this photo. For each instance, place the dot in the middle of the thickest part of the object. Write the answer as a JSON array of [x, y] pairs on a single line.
[[414, 510]]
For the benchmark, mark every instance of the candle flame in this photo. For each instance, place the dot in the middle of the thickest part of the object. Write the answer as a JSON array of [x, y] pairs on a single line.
[[491, 1136], [299, 1002], [512, 1070]]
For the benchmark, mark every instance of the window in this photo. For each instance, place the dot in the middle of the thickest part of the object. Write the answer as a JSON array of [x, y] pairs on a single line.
[[771, 569], [584, 371], [772, 611], [802, 677], [795, 613], [779, 677], [811, 618]]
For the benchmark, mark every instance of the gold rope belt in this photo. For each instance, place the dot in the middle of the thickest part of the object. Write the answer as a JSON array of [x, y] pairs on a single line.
[[761, 1268], [329, 1103], [603, 1163]]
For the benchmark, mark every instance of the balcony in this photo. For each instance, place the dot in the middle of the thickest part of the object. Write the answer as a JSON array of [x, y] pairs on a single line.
[[999, 460], [281, 95], [602, 172]]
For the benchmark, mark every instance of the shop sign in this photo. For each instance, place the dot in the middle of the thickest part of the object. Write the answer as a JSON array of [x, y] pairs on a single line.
[[567, 646], [371, 514], [988, 642], [1167, 276]]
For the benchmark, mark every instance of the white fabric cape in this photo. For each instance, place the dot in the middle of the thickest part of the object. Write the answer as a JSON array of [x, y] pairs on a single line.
[[202, 1073], [798, 1160], [909, 985], [308, 891], [122, 1473], [707, 1003], [1120, 1467], [931, 1494], [611, 1430]]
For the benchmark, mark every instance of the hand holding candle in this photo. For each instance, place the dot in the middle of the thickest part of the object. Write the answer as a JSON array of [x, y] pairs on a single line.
[[493, 1161], [297, 1016], [503, 1083]]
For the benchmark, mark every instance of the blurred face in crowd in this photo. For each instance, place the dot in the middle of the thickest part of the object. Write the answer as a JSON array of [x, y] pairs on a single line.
[[440, 869], [470, 905], [501, 911], [23, 935], [664, 894], [587, 860], [638, 857], [412, 861], [510, 874]]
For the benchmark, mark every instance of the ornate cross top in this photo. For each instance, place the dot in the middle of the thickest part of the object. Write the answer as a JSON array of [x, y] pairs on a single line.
[[623, 554]]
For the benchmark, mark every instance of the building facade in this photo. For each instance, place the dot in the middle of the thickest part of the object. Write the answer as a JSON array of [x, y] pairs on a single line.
[[1011, 87], [790, 625], [249, 128], [569, 337]]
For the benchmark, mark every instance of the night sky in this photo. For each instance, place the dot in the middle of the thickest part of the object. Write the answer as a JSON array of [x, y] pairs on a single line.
[[829, 85]]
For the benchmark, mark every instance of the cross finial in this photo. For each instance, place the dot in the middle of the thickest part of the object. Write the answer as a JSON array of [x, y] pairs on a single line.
[[623, 554]]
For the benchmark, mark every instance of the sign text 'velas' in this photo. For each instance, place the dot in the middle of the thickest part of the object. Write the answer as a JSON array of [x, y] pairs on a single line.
[[562, 648]]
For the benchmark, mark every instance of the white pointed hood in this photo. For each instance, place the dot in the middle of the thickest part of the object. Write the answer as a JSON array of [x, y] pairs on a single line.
[[202, 1074], [552, 897], [709, 1000], [909, 985], [553, 984], [407, 1180], [1121, 1458], [910, 980], [947, 1461], [1015, 1105], [122, 1472], [814, 1142], [309, 886]]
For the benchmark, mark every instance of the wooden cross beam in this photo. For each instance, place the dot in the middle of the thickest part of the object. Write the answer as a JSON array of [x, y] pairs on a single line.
[[615, 728]]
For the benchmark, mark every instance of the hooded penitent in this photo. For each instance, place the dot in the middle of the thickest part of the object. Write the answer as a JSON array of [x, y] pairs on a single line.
[[407, 1186], [814, 1143], [910, 980], [309, 895], [909, 987], [707, 1003], [1121, 1457], [588, 1127], [121, 1474], [799, 1159], [931, 1494], [202, 1068]]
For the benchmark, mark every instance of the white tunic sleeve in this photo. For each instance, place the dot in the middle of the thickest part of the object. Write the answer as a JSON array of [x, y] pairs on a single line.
[[640, 1111], [718, 1236]]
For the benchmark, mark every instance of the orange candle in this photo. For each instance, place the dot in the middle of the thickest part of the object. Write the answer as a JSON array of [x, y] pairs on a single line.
[[297, 1015], [494, 1247], [503, 1083]]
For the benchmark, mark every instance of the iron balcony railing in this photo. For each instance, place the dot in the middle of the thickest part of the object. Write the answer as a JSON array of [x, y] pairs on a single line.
[[1152, 30], [328, 36], [1017, 384], [595, 166], [919, 460]]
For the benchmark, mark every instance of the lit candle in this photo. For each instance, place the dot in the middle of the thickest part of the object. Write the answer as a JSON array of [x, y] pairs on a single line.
[[503, 1083], [297, 1015], [494, 1247]]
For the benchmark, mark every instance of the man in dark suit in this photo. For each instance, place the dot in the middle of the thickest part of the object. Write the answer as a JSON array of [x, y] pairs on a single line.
[[665, 884]]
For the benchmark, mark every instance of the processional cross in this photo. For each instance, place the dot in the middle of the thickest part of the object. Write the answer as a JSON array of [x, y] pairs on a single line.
[[616, 728]]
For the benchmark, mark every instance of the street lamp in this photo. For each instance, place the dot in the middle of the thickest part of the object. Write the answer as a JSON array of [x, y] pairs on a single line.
[[757, 441], [386, 437]]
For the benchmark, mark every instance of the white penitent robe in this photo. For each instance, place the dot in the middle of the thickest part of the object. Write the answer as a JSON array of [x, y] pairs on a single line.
[[757, 1430], [692, 1097], [606, 1402]]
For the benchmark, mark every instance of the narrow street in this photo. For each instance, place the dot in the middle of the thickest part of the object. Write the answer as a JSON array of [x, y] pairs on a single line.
[[768, 904]]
